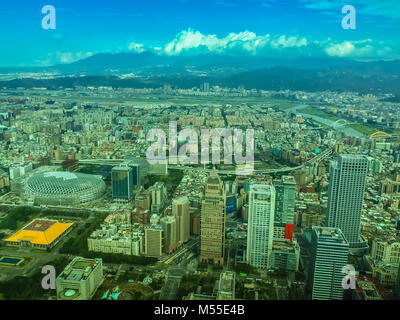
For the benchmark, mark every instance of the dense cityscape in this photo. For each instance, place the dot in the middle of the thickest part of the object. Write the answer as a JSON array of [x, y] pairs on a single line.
[[195, 159], [78, 192]]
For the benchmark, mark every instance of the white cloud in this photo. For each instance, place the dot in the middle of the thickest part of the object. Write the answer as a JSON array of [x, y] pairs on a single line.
[[343, 49], [69, 57], [194, 42], [63, 57], [288, 42], [359, 49], [136, 47], [190, 42]]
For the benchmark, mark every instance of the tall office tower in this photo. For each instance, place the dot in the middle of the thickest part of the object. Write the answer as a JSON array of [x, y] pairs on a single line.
[[284, 207], [212, 221], [121, 180], [329, 253], [345, 198], [169, 226], [260, 230], [158, 196], [195, 222], [153, 241], [135, 172], [180, 210], [143, 199]]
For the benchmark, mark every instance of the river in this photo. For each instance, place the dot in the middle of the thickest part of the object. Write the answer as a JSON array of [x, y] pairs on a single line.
[[350, 132]]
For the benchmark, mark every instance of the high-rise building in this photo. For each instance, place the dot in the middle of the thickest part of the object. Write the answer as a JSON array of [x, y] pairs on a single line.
[[158, 196], [121, 180], [329, 253], [169, 226], [143, 199], [153, 241], [180, 210], [135, 172], [136, 175], [195, 222], [345, 198], [284, 207], [212, 221], [260, 230]]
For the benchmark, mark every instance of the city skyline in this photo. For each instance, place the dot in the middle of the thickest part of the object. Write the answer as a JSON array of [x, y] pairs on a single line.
[[200, 150]]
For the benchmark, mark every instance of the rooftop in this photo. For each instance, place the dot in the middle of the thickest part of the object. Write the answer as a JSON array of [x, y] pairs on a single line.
[[40, 231]]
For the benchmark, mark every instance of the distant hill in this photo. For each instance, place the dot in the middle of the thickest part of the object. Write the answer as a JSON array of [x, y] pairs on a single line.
[[151, 71], [150, 64], [362, 77]]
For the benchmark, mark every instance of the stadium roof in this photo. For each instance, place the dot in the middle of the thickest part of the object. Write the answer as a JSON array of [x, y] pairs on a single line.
[[56, 183], [42, 232]]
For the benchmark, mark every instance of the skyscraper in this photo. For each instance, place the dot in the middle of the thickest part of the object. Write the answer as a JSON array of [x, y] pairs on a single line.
[[346, 196], [260, 230], [121, 180], [158, 196], [284, 207], [168, 224], [153, 244], [180, 210], [135, 172], [212, 221], [329, 253]]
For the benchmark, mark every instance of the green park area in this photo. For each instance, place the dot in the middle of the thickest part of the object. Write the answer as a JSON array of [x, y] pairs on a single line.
[[171, 180], [16, 218], [29, 288], [363, 129], [315, 111], [283, 104]]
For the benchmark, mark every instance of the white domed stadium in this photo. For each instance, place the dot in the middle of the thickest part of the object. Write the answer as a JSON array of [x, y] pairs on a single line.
[[63, 188]]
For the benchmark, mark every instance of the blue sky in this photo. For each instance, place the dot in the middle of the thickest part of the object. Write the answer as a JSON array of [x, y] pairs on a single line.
[[256, 27]]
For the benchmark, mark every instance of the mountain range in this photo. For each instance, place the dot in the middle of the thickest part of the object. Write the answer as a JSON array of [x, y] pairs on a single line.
[[148, 69]]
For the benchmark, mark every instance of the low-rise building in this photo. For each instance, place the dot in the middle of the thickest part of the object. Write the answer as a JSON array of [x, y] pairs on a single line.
[[40, 234], [285, 255], [80, 279], [226, 286]]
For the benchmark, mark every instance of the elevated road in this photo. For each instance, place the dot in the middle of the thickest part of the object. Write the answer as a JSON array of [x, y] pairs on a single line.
[[115, 162]]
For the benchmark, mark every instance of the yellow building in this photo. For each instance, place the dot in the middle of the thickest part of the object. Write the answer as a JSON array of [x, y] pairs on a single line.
[[39, 233]]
